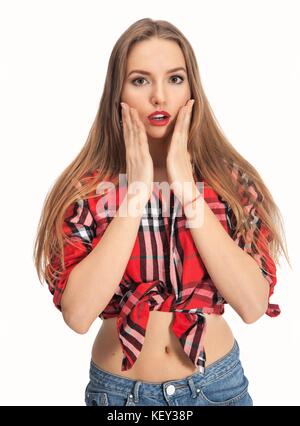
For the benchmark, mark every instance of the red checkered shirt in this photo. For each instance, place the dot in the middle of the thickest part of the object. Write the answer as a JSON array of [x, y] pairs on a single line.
[[164, 272]]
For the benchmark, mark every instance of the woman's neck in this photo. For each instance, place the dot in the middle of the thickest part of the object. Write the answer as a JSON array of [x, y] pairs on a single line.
[[158, 150]]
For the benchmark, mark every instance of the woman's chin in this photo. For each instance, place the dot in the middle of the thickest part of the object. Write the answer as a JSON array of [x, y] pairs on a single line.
[[158, 135]]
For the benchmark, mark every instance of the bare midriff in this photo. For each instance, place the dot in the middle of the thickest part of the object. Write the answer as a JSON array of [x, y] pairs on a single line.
[[162, 357]]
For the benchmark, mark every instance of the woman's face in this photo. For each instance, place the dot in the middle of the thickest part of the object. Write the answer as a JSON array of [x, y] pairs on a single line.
[[160, 90]]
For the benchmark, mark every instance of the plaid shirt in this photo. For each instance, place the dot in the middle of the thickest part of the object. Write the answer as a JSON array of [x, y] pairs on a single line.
[[164, 272]]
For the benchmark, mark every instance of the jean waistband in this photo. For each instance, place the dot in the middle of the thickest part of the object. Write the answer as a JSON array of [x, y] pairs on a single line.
[[112, 382]]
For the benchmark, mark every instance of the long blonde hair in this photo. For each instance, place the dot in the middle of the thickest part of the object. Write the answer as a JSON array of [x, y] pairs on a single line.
[[104, 150]]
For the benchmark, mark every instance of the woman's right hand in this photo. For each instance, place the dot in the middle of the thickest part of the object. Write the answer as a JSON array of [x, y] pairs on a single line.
[[139, 164]]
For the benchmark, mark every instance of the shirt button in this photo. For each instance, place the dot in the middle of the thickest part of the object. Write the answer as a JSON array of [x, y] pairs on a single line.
[[170, 389]]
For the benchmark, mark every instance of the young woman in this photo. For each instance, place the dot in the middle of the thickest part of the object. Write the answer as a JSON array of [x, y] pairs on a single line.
[[159, 281]]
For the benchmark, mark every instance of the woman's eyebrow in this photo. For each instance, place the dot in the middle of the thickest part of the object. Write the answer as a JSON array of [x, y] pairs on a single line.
[[149, 73]]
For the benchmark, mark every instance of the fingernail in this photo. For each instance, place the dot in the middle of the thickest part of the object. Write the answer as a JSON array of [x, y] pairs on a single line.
[[122, 105]]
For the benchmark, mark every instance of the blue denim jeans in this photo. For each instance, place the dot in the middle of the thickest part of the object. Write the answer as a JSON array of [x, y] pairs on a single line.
[[223, 383]]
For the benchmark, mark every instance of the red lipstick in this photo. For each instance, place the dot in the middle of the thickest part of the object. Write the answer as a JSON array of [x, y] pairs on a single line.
[[159, 118]]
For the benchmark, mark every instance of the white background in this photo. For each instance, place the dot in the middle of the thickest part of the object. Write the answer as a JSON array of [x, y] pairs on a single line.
[[54, 57]]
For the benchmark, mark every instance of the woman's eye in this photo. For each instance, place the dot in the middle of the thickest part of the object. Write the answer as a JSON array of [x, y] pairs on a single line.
[[137, 79], [178, 76], [142, 78]]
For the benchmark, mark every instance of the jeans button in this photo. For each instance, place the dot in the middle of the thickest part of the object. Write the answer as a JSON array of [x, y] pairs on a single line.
[[170, 389]]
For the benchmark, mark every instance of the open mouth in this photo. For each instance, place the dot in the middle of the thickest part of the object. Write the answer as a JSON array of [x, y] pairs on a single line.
[[159, 121], [159, 118]]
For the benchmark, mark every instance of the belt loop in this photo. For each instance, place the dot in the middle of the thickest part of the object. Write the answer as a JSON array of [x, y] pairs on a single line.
[[192, 387], [136, 391]]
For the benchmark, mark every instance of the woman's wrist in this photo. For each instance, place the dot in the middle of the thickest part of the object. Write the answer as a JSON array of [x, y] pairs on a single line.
[[190, 206]]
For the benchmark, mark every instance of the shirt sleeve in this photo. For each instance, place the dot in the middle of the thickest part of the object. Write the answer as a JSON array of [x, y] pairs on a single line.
[[80, 226], [262, 255]]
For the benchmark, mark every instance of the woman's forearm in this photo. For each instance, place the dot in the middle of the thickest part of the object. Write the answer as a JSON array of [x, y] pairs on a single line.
[[234, 272], [95, 279]]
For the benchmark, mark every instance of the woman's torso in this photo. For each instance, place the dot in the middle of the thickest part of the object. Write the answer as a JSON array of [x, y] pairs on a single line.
[[162, 357]]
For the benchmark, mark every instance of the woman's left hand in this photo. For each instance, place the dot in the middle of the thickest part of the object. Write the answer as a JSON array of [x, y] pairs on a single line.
[[178, 162]]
